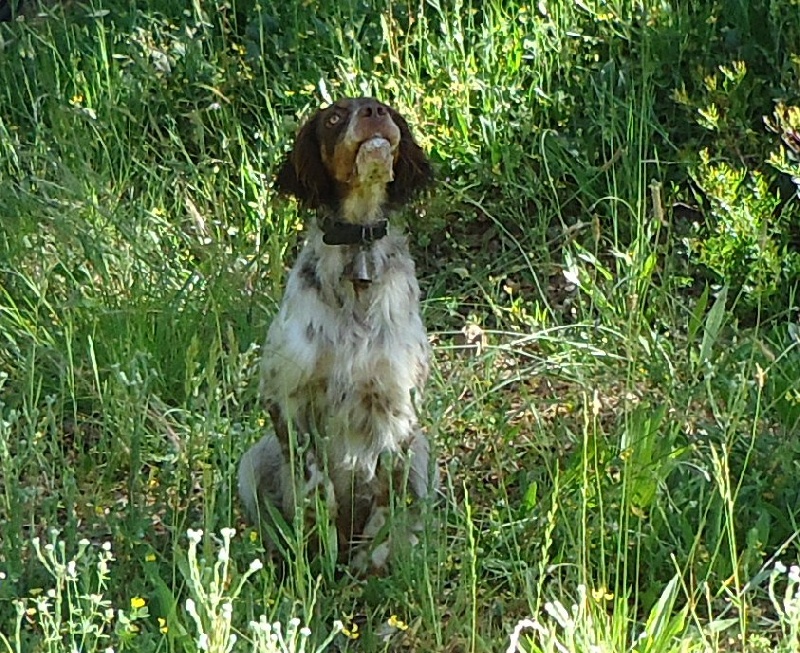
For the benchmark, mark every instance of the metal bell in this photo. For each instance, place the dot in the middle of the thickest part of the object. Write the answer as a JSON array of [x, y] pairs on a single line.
[[362, 267]]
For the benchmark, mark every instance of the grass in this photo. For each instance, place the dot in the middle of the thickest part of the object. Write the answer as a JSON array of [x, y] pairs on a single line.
[[614, 221]]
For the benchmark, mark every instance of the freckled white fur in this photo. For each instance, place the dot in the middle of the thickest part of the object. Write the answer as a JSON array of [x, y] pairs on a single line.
[[328, 347], [375, 342]]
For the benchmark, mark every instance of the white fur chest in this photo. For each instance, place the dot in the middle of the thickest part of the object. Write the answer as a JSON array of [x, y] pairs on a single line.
[[343, 361]]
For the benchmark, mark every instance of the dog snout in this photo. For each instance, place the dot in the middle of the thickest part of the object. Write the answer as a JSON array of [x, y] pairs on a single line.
[[372, 109], [374, 119]]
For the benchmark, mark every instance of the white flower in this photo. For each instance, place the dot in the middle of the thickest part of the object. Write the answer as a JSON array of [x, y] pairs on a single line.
[[195, 535], [256, 565]]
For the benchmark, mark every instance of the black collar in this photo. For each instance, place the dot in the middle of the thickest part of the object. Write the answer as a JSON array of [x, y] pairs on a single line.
[[345, 233]]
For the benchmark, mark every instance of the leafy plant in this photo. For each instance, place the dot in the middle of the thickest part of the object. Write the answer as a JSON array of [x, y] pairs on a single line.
[[743, 239]]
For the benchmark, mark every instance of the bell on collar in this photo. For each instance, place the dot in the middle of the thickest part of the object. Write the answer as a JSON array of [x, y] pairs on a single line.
[[362, 267]]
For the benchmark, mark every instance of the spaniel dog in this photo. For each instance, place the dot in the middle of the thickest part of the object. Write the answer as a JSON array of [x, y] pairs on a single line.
[[347, 354]]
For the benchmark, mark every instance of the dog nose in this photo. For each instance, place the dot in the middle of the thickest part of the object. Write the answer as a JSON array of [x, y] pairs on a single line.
[[372, 109]]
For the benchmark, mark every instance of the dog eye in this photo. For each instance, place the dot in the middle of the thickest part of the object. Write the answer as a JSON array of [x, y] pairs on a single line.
[[333, 119]]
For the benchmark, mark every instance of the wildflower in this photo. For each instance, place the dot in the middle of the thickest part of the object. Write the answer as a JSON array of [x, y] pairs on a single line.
[[138, 602], [195, 535], [256, 565], [162, 626], [150, 557], [398, 623], [352, 632], [602, 594]]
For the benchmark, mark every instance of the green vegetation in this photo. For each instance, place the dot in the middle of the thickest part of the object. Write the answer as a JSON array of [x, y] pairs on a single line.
[[616, 218]]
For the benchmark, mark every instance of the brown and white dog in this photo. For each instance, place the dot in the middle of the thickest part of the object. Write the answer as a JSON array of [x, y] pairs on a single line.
[[347, 354]]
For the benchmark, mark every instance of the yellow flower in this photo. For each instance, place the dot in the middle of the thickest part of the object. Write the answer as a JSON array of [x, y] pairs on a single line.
[[395, 622], [602, 594], [138, 602], [352, 632], [150, 557], [162, 625]]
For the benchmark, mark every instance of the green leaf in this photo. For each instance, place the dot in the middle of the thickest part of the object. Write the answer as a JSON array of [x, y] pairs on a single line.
[[661, 628], [696, 316], [713, 324]]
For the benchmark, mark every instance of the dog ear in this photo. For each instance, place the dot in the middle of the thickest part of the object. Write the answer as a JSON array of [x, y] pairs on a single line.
[[303, 174], [412, 170]]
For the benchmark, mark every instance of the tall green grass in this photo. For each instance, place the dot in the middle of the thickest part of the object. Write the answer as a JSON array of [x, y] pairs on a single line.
[[618, 455]]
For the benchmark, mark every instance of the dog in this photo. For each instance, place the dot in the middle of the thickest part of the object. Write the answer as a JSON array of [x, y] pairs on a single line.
[[346, 358]]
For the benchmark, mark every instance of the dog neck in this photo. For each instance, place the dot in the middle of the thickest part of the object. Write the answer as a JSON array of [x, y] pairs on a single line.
[[339, 232], [355, 242], [363, 202]]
